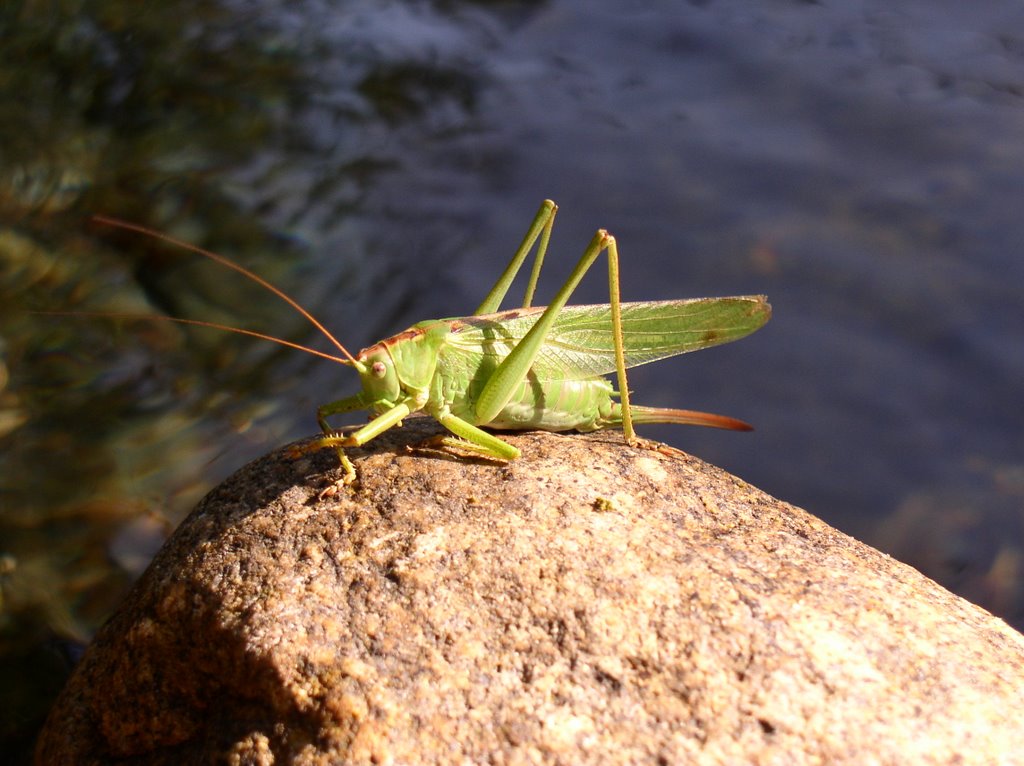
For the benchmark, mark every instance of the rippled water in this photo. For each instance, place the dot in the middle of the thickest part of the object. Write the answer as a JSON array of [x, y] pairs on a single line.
[[860, 163]]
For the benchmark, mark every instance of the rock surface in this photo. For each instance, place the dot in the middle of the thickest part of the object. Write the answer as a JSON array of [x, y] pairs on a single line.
[[587, 604]]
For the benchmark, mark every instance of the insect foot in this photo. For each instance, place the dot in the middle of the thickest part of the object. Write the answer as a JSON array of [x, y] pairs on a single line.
[[304, 449]]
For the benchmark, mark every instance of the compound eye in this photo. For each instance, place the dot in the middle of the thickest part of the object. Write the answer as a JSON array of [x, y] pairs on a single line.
[[378, 369]]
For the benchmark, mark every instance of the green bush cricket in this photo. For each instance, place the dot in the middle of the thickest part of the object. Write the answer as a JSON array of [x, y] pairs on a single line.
[[526, 368]]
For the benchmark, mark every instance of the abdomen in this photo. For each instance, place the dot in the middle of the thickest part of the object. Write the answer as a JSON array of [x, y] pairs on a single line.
[[564, 405]]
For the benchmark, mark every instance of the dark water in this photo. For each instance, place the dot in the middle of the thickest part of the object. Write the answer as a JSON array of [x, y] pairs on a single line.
[[859, 162]]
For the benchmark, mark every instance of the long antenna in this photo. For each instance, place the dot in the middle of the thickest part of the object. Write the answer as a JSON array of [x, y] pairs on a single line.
[[351, 360], [196, 322]]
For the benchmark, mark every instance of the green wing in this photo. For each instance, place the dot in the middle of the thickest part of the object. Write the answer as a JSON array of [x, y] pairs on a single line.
[[580, 342]]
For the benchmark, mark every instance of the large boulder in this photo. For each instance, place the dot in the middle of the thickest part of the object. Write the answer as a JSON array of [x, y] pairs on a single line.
[[589, 603]]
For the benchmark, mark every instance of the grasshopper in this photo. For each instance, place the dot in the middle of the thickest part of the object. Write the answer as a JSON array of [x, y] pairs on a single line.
[[533, 367]]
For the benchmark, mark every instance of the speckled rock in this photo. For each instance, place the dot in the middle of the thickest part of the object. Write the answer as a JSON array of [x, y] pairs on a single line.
[[587, 604]]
